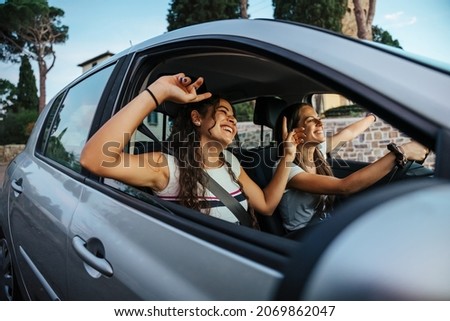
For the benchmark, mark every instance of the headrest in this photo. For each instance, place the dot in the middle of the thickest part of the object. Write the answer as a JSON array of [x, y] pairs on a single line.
[[267, 110]]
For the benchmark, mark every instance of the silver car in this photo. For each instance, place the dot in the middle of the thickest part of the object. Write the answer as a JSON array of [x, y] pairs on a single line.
[[67, 234]]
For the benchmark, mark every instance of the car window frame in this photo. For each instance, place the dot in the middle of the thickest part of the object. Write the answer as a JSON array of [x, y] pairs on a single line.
[[102, 105], [187, 219], [210, 229]]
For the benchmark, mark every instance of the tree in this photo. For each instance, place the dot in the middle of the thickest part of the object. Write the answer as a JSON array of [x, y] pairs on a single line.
[[382, 36], [32, 28], [16, 127], [184, 13], [364, 20], [322, 13], [7, 96], [243, 9], [244, 111], [18, 106], [27, 97]]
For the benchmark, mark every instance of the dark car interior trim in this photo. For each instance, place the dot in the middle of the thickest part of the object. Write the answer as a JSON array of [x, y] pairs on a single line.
[[442, 168]]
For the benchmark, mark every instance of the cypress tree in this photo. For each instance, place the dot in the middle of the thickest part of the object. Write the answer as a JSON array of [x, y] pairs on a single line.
[[27, 97]]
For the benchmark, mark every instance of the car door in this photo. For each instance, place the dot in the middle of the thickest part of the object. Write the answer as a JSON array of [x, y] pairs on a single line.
[[46, 189], [126, 245]]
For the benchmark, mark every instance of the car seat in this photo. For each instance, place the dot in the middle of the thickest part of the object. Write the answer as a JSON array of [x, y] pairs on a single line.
[[259, 162]]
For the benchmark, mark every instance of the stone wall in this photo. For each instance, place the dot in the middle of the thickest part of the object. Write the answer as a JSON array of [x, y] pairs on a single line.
[[371, 144], [8, 152], [367, 147]]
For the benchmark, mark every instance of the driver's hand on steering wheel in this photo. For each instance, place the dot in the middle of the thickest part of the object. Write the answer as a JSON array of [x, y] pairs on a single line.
[[415, 151]]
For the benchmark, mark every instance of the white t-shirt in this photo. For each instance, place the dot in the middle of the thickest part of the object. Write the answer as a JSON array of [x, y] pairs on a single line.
[[297, 207], [220, 175]]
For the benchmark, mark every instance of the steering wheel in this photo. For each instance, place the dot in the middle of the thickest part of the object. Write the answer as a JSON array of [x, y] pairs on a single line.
[[401, 172]]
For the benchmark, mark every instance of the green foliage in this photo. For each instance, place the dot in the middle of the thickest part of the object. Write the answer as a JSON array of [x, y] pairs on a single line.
[[244, 111], [15, 127], [29, 26], [57, 151], [345, 111], [382, 36], [321, 13], [7, 96], [184, 13], [27, 97]]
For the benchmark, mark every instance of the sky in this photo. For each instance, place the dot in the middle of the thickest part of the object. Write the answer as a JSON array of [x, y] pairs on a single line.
[[97, 26]]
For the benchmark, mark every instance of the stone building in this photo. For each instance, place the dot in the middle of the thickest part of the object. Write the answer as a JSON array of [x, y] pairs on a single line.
[[88, 64]]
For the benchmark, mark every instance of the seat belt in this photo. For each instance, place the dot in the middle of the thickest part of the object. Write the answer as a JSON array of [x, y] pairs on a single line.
[[229, 201]]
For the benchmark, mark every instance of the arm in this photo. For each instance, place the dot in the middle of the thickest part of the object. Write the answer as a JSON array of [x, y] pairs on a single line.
[[350, 132], [266, 200], [363, 178], [103, 154]]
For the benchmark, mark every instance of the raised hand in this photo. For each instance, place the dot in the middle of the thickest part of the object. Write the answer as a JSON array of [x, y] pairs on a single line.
[[180, 89], [291, 140]]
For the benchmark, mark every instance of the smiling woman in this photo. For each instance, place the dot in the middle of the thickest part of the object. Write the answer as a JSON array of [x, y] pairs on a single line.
[[311, 187], [201, 132]]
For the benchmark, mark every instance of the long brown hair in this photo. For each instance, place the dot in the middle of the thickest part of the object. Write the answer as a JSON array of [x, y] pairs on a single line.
[[184, 141], [293, 115]]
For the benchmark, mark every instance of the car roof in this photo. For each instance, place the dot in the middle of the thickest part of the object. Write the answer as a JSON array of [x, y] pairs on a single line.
[[418, 84]]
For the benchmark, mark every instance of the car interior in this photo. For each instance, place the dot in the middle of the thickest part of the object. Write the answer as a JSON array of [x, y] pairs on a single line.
[[242, 76]]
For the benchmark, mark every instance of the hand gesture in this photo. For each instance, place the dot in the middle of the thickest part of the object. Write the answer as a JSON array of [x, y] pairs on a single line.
[[291, 140], [180, 89]]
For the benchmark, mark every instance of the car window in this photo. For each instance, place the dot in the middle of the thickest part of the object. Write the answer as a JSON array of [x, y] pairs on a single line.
[[140, 142], [69, 127], [48, 123], [250, 135], [337, 112]]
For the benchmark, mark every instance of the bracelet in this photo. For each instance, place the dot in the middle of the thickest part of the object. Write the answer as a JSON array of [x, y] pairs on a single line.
[[372, 114], [153, 96], [400, 157]]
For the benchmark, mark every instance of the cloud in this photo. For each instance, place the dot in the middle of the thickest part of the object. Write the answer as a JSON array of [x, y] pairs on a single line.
[[399, 20], [410, 21], [393, 16]]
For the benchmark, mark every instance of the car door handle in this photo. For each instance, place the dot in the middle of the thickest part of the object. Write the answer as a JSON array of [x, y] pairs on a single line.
[[16, 185], [92, 253]]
